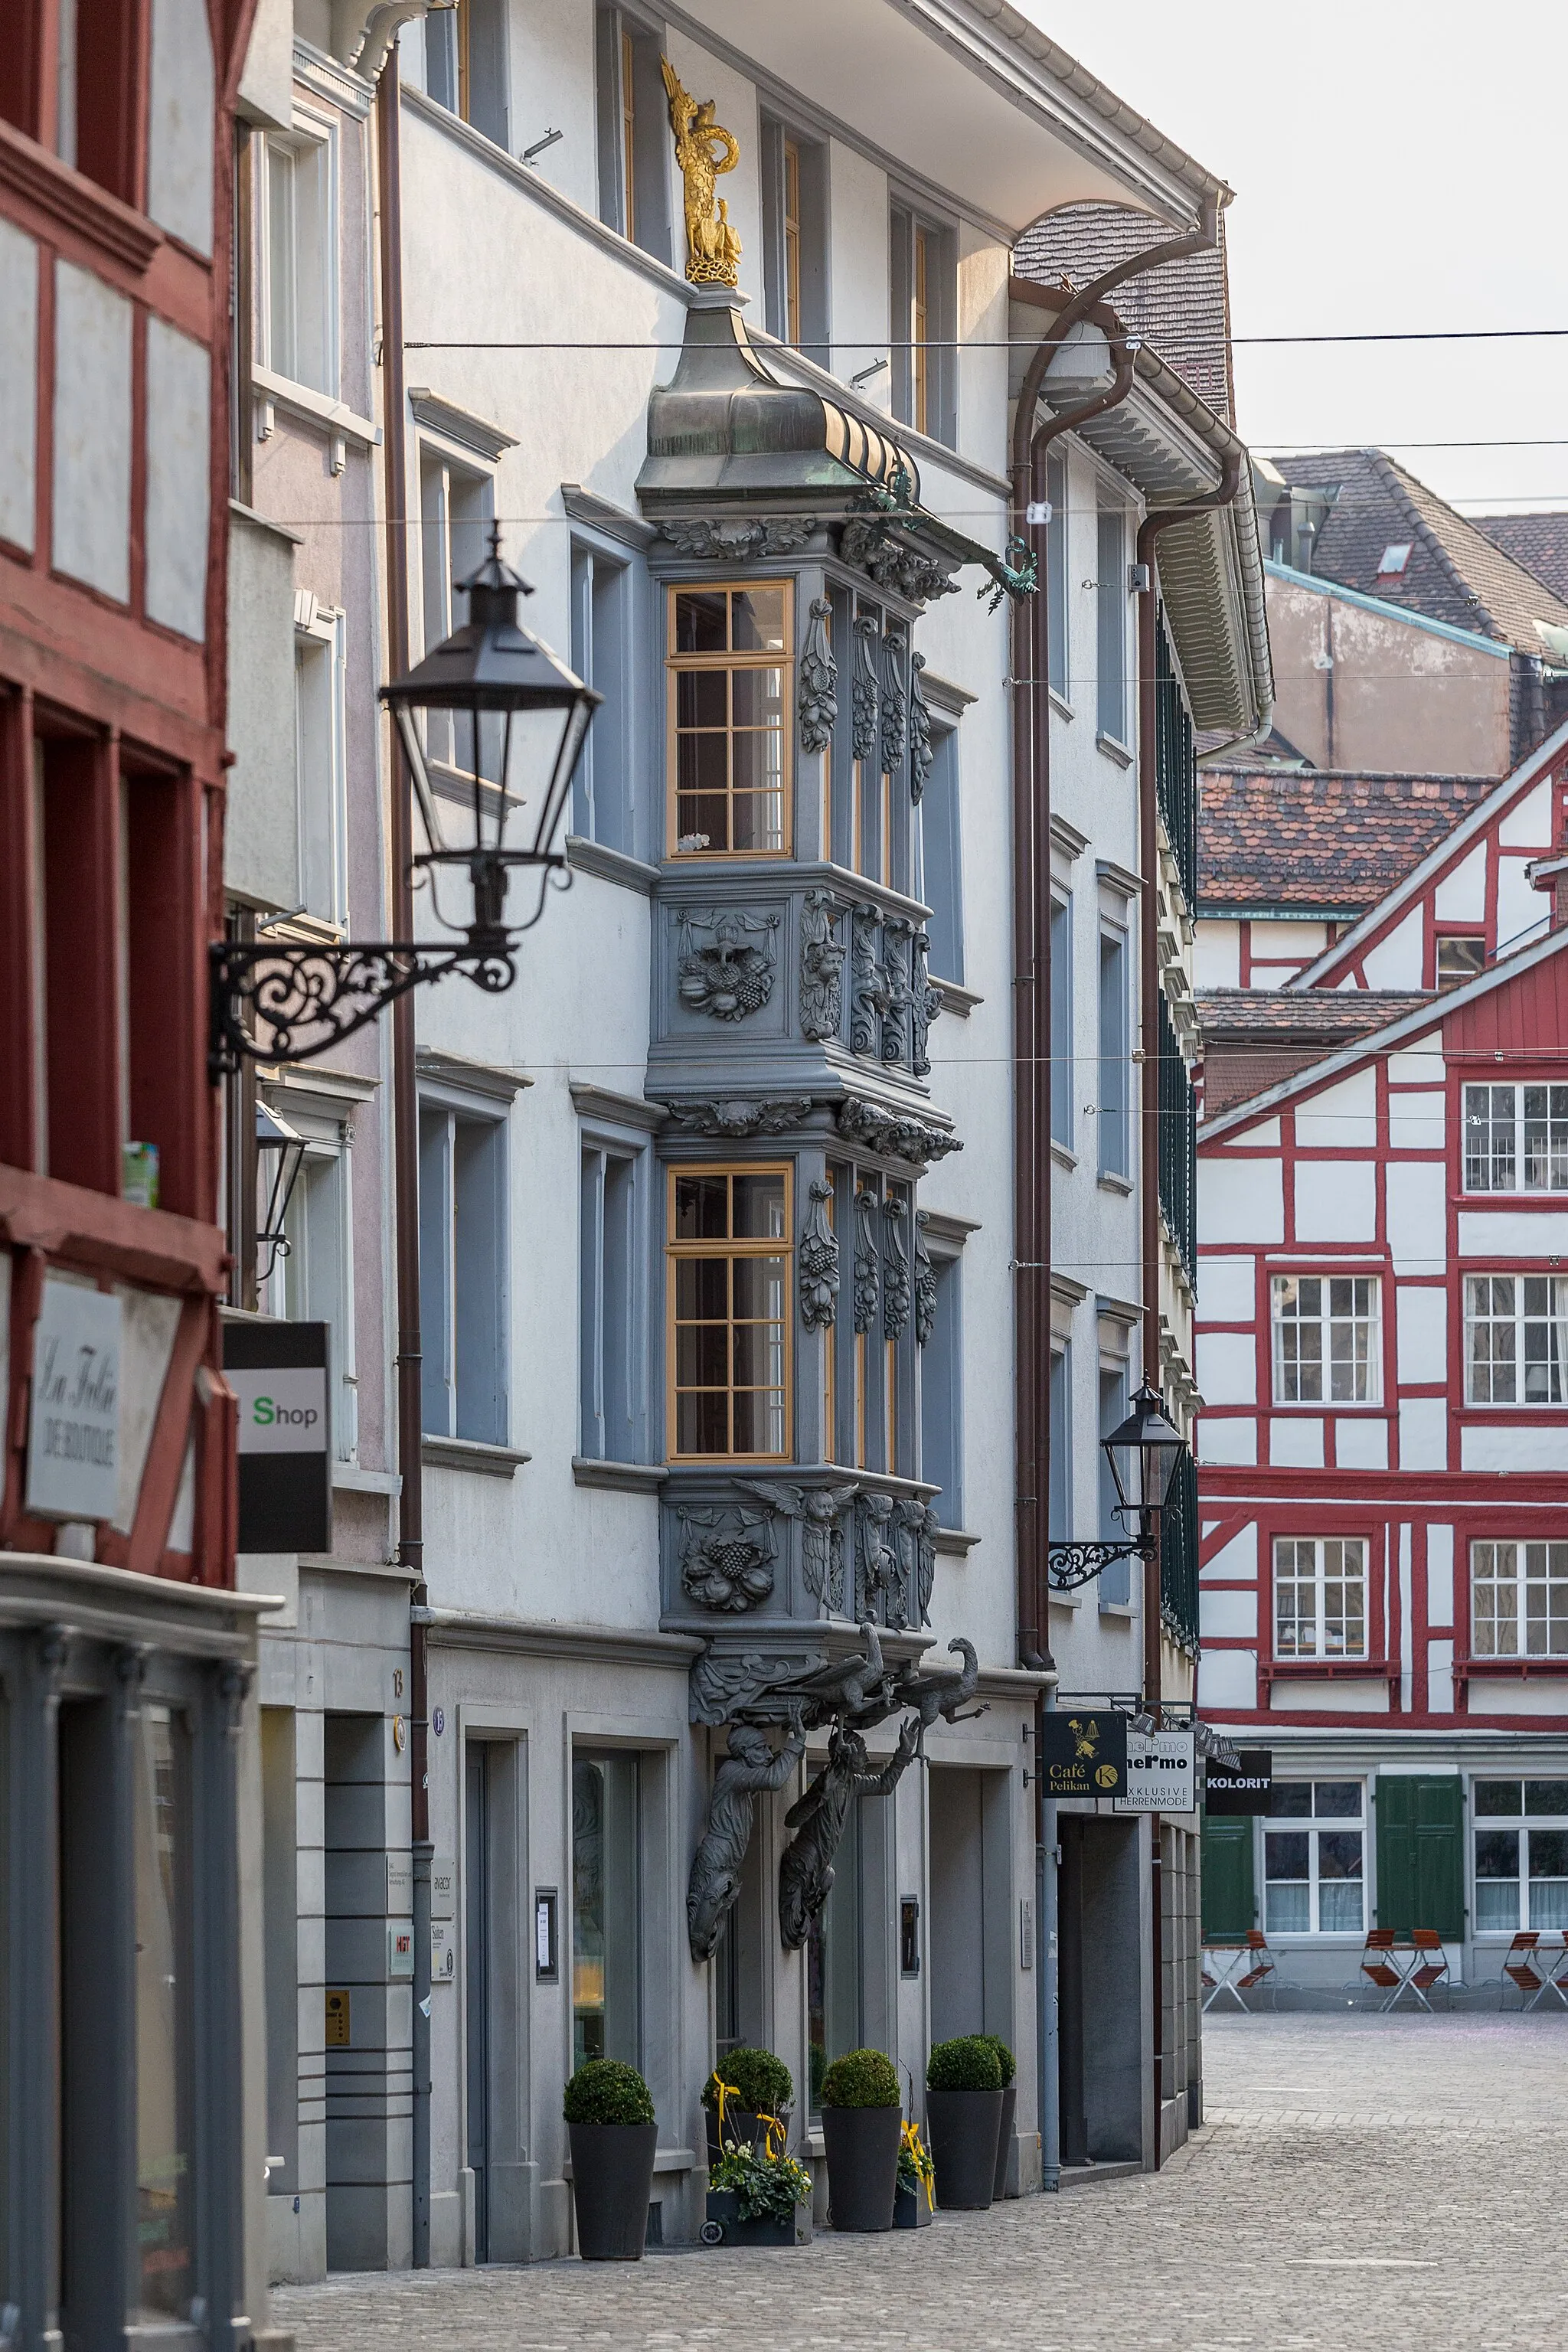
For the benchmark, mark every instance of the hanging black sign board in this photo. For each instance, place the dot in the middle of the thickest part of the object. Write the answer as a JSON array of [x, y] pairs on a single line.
[[1245, 1790], [1083, 1751], [278, 1373]]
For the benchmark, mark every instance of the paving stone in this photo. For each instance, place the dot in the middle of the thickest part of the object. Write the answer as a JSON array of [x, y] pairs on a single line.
[[1360, 2179]]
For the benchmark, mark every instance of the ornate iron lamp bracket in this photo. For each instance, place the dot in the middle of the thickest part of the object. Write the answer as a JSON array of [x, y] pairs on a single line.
[[308, 998], [1069, 1565]]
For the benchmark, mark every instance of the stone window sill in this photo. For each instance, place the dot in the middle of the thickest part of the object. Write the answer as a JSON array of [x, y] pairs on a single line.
[[1113, 749], [955, 998], [470, 1454], [957, 1542], [622, 1478]]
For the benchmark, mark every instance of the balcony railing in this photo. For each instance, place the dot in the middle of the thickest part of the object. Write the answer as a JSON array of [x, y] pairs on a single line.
[[1179, 1558]]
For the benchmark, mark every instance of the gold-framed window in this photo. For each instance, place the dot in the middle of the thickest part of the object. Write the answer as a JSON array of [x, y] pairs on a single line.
[[731, 1263], [792, 239], [729, 658]]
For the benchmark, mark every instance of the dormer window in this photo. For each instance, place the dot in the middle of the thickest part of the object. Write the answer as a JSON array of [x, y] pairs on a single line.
[[729, 658]]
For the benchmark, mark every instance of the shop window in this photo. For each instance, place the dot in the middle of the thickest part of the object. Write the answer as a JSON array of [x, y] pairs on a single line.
[[455, 504], [924, 279], [1521, 1831], [1315, 1844], [1061, 1072], [1326, 1339], [606, 1909], [465, 64], [600, 655], [1111, 603], [1319, 1597], [1115, 1057], [165, 2170], [1056, 626], [729, 662], [299, 263], [462, 1272], [793, 178], [321, 765], [941, 1394], [1518, 1599], [633, 131], [610, 1262], [941, 877], [1460, 959], [1516, 1139], [1516, 1339], [729, 1290]]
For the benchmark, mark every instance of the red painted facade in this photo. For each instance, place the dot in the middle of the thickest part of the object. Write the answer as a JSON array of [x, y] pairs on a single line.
[[111, 737]]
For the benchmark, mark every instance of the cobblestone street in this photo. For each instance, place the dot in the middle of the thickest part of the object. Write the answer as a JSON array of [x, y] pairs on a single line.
[[1359, 2180]]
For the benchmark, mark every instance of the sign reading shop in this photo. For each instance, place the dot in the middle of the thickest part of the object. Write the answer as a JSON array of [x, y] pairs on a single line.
[[73, 1430], [1083, 1752], [279, 1373]]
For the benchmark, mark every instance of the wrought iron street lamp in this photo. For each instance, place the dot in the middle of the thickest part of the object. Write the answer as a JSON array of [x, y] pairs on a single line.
[[492, 723], [279, 1156], [1143, 1453]]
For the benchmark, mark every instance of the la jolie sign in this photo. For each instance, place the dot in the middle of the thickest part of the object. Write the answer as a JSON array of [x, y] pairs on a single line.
[[73, 1430]]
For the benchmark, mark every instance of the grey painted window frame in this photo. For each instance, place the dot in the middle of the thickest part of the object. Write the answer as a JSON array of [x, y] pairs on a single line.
[[609, 795], [444, 1306], [651, 152], [942, 1378], [1063, 1126], [1110, 620], [631, 1147], [942, 802], [814, 235], [906, 213], [1115, 1092]]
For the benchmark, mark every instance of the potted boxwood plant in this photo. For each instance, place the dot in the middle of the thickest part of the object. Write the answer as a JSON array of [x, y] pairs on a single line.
[[914, 2198], [747, 2086], [963, 2117], [862, 2119], [610, 2120], [1009, 2066], [755, 2196]]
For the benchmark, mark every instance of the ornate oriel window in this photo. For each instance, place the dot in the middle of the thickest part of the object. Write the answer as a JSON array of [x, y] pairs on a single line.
[[730, 657], [729, 1292]]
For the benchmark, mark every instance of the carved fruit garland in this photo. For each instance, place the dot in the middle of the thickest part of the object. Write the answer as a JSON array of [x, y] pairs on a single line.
[[818, 1261], [818, 681]]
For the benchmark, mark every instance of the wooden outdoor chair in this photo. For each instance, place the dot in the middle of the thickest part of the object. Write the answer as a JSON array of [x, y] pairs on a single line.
[[1428, 1968], [1520, 1968], [1378, 1966], [1259, 1964]]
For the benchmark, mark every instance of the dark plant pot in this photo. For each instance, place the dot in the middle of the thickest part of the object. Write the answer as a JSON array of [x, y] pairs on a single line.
[[911, 2210], [862, 2144], [724, 2217], [1005, 2141], [612, 2181], [740, 2125], [962, 2127]]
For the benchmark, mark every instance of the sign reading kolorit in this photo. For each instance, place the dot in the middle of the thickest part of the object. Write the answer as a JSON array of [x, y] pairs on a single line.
[[279, 1373], [1083, 1751], [1161, 1773], [73, 1430]]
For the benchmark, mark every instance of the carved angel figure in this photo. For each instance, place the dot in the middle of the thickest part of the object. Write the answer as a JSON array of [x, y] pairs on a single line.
[[805, 1872], [753, 1768], [819, 1510], [703, 151], [877, 1577]]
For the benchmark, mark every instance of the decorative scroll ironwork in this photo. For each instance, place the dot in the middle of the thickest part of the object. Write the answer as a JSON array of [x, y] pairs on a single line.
[[921, 754], [1069, 1565], [818, 1259], [818, 681], [863, 689], [307, 999]]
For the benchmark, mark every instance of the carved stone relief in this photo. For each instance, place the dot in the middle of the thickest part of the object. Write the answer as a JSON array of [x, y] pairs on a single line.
[[879, 1579], [895, 700], [925, 1002], [867, 1271], [821, 967], [727, 1684], [925, 1284], [897, 993], [920, 753], [882, 1130], [877, 548], [820, 1511], [703, 539], [736, 1115], [917, 1525], [863, 689], [726, 1557], [868, 992], [818, 1261], [727, 962], [818, 681], [896, 1295]]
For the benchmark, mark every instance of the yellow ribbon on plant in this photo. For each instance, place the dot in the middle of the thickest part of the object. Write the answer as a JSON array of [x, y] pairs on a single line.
[[925, 2170], [726, 2091], [773, 2124]]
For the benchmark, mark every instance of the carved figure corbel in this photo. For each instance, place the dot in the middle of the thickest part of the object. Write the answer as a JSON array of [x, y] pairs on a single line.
[[817, 1819], [726, 963], [925, 1284], [756, 1685], [895, 1269], [895, 700], [898, 988], [820, 1511], [925, 1002], [868, 995], [818, 1261], [818, 681], [878, 1584], [863, 689], [920, 752], [918, 1523], [867, 1263], [821, 967], [726, 1557], [752, 1769]]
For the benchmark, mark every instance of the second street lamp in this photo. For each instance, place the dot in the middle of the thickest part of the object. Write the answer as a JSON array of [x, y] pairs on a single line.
[[1142, 1454], [492, 724]]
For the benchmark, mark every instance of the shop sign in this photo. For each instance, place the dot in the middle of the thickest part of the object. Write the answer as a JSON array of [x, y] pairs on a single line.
[[399, 1885], [400, 1948], [1161, 1773], [1245, 1790], [443, 1885], [443, 1953], [278, 1373], [1083, 1751], [73, 1433]]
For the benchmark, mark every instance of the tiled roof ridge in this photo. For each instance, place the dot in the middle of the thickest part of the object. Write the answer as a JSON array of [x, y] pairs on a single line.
[[1396, 481], [1264, 772]]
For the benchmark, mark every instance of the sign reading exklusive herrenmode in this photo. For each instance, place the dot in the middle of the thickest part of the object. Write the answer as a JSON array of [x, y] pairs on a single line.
[[279, 1375], [1161, 1773], [1083, 1752]]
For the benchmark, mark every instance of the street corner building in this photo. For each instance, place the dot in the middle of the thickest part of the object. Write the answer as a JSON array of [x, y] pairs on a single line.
[[1381, 1351], [132, 2080]]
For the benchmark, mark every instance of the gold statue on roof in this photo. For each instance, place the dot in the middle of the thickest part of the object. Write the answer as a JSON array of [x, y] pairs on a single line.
[[703, 150]]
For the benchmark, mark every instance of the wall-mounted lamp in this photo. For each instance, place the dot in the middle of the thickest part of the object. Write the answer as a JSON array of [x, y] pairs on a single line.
[[279, 1155], [866, 374], [539, 145]]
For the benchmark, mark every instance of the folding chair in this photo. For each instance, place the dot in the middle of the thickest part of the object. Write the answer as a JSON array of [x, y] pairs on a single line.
[[1429, 1967], [1520, 1969], [1379, 1966], [1556, 1979]]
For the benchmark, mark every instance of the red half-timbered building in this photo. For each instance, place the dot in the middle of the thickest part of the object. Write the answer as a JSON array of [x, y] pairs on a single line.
[[1382, 1352], [130, 2141]]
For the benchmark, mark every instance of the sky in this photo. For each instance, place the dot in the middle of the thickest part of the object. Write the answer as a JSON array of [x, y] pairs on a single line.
[[1394, 166]]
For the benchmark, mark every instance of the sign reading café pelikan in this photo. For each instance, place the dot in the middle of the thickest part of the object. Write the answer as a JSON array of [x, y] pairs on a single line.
[[1083, 1752], [73, 1430]]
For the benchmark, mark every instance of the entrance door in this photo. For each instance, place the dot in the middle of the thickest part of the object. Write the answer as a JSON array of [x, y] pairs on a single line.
[[477, 1904]]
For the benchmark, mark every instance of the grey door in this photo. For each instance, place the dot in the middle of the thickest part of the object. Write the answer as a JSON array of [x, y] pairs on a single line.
[[477, 1987]]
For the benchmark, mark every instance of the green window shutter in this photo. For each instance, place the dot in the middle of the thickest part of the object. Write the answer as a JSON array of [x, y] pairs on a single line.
[[1230, 1901], [1421, 1853]]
